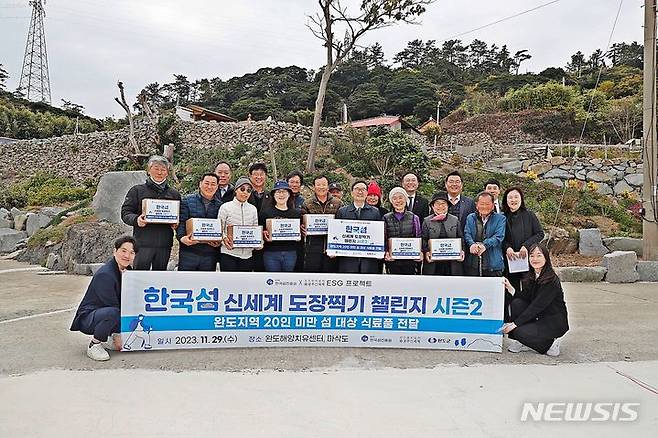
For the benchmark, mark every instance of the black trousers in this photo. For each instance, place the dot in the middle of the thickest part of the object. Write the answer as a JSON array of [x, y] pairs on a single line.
[[529, 334], [319, 262], [155, 259], [402, 267], [192, 261], [101, 323], [257, 257], [229, 263]]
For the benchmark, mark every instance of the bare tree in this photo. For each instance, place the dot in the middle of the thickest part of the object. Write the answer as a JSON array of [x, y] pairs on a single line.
[[131, 135], [334, 17]]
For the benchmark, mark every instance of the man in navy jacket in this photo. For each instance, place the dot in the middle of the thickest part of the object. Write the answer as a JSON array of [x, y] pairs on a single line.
[[483, 236], [359, 210], [193, 254], [99, 312]]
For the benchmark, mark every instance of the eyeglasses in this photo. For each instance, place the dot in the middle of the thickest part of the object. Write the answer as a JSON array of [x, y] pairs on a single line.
[[245, 189], [359, 189]]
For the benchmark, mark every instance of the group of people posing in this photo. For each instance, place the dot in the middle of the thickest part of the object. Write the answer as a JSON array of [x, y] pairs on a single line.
[[494, 230]]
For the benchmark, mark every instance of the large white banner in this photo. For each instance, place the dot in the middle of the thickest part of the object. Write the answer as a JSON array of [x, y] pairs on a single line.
[[162, 310]]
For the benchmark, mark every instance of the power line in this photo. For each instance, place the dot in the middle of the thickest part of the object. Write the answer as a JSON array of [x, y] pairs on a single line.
[[484, 26]]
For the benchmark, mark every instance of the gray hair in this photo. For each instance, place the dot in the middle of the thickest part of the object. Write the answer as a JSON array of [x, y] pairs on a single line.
[[157, 159]]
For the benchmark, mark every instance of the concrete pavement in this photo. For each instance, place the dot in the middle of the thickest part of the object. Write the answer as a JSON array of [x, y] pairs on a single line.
[[321, 391]]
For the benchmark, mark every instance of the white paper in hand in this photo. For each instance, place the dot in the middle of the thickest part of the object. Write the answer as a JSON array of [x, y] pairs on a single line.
[[518, 265]]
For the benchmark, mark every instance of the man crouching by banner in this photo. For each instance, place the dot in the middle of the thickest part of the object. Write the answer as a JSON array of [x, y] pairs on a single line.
[[99, 312]]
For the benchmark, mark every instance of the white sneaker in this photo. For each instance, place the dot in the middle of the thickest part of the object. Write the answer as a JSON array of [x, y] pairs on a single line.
[[113, 342], [555, 348], [517, 347], [97, 352]]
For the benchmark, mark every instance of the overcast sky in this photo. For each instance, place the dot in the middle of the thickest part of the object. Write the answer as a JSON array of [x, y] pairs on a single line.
[[92, 44]]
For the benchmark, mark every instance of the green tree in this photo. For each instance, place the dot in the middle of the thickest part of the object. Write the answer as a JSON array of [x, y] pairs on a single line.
[[3, 77], [366, 102], [373, 14]]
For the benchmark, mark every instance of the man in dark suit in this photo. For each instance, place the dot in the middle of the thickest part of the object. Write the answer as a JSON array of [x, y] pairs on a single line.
[[225, 191], [417, 204], [358, 210], [99, 313], [458, 205]]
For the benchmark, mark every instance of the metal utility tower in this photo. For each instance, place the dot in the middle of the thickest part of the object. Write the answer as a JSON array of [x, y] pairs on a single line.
[[35, 79]]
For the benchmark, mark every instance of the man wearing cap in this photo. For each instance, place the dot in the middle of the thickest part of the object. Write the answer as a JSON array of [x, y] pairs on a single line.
[[441, 225], [155, 240], [237, 212], [315, 259], [336, 191], [225, 190], [358, 210], [279, 256], [195, 255]]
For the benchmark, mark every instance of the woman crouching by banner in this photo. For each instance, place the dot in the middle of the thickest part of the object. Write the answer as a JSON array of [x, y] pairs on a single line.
[[538, 311], [400, 223]]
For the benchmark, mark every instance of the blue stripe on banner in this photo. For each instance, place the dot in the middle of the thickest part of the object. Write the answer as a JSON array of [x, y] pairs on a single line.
[[278, 322], [352, 247]]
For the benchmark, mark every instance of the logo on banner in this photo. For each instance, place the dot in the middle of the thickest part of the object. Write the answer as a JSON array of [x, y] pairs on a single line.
[[270, 282], [364, 338]]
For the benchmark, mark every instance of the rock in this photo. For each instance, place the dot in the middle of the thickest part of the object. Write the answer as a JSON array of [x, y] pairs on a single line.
[[555, 181], [596, 176], [559, 241], [581, 274], [52, 260], [622, 187], [95, 267], [20, 221], [540, 168], [15, 212], [526, 165], [111, 192], [51, 211], [9, 239], [596, 162], [81, 269], [512, 167], [12, 255], [635, 179], [590, 243], [5, 222], [87, 243], [36, 221], [604, 189], [580, 175], [621, 267], [647, 270], [558, 161], [558, 173], [624, 244]]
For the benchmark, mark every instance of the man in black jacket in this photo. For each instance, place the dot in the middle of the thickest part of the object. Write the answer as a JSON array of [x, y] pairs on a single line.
[[195, 255], [99, 313], [458, 204], [154, 240], [417, 204], [225, 191], [358, 210]]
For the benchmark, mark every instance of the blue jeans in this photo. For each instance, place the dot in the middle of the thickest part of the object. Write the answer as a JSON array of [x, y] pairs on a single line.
[[279, 261]]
